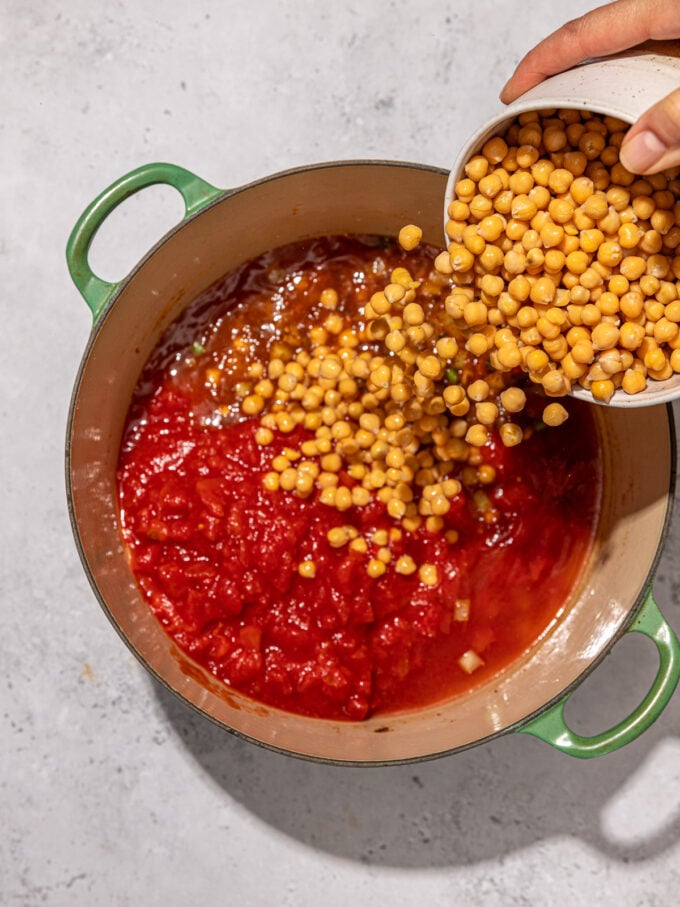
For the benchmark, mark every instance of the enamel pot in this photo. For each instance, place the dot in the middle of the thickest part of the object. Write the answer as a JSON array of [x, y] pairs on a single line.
[[221, 230]]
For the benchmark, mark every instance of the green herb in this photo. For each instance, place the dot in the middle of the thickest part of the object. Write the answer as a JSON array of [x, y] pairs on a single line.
[[197, 349], [452, 376], [540, 425]]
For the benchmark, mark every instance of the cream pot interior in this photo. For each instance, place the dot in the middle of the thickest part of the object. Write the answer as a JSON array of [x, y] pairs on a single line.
[[352, 197]]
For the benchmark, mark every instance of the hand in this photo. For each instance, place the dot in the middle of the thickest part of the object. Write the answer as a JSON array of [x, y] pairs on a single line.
[[653, 143]]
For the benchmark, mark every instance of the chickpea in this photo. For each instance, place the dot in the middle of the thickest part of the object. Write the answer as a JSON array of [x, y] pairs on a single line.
[[460, 257], [511, 434], [509, 356], [555, 383], [480, 206], [513, 399], [596, 206], [605, 336], [515, 262], [490, 228], [477, 435], [560, 180], [478, 390], [633, 267], [537, 361], [410, 237], [575, 161], [551, 234], [527, 155], [633, 381], [477, 167], [523, 208], [486, 413], [577, 262], [561, 211], [555, 414], [603, 389]]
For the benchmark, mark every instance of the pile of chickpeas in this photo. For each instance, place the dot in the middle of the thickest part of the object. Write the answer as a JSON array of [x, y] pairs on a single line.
[[395, 402], [560, 264], [563, 262]]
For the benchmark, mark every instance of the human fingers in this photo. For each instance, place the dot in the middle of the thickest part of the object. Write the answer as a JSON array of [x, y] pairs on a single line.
[[653, 143], [602, 31]]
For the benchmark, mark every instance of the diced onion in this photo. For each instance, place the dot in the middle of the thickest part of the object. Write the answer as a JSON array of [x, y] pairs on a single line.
[[461, 609], [469, 661]]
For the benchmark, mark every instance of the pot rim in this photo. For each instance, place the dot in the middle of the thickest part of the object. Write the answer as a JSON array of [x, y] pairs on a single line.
[[217, 197]]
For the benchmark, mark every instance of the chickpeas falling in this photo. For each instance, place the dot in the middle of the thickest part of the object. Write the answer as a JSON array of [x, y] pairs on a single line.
[[409, 237], [564, 261], [560, 263], [395, 402]]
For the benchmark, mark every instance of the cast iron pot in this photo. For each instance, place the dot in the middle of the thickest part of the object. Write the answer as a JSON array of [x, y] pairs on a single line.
[[221, 230]]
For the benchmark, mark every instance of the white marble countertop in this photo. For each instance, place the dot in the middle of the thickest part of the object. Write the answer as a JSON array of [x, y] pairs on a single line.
[[112, 792]]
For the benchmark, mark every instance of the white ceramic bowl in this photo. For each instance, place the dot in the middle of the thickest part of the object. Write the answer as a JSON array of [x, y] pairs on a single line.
[[622, 86]]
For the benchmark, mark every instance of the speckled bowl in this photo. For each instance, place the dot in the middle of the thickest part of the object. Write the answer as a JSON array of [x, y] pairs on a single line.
[[223, 229], [622, 86]]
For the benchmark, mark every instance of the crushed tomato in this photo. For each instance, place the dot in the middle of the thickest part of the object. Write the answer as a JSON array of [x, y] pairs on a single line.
[[216, 555]]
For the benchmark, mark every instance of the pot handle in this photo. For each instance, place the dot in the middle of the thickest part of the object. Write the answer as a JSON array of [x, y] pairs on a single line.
[[551, 726], [195, 192]]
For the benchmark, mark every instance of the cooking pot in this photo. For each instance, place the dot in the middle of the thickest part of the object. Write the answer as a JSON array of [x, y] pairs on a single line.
[[221, 230]]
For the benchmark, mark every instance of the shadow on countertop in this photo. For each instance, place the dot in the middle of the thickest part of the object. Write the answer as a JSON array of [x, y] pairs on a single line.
[[481, 804], [484, 803]]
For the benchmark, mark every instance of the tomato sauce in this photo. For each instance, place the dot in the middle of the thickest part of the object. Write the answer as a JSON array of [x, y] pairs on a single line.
[[216, 554]]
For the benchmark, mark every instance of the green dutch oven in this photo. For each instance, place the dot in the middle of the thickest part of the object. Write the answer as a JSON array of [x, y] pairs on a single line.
[[220, 230]]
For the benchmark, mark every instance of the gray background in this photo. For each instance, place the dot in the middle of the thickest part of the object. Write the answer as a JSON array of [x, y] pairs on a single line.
[[112, 791]]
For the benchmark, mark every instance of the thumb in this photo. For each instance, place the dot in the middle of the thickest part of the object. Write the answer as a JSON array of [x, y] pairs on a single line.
[[653, 143]]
